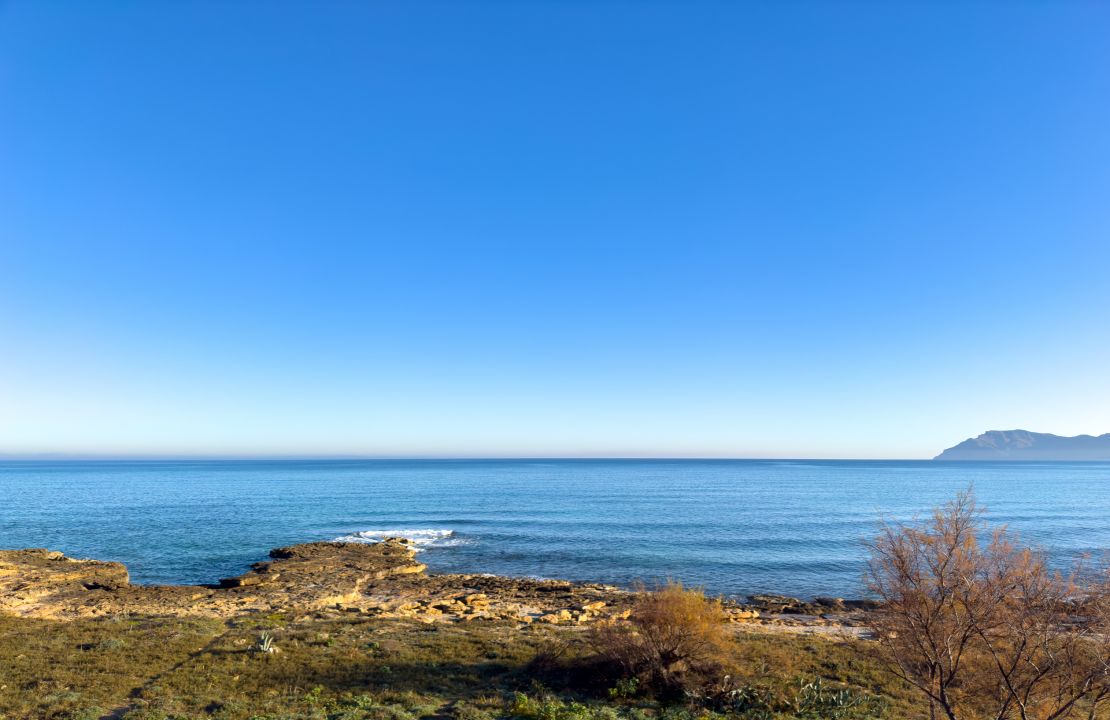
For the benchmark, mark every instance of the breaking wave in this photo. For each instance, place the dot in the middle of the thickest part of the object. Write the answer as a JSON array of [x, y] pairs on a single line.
[[420, 538]]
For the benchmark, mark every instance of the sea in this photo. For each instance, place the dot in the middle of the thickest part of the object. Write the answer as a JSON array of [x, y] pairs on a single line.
[[732, 527]]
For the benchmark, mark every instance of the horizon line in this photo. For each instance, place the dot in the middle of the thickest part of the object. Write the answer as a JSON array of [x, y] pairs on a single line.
[[169, 457]]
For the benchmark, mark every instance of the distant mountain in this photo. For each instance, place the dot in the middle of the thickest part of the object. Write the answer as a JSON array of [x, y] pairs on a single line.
[[1025, 445]]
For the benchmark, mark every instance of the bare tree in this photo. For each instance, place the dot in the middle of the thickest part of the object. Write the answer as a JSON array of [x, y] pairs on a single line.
[[984, 628]]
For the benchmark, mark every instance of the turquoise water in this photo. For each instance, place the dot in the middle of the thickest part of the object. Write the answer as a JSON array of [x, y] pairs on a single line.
[[735, 527]]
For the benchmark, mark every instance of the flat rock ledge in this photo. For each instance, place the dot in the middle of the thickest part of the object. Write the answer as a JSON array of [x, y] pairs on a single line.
[[327, 579], [381, 580]]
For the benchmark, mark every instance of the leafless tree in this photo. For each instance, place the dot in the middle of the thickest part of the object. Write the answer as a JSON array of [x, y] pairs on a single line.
[[983, 628]]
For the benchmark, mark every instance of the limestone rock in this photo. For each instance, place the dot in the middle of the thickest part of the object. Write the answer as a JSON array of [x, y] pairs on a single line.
[[41, 583], [324, 579]]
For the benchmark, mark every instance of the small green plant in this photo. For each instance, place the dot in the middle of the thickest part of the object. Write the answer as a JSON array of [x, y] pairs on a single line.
[[624, 688], [265, 643], [313, 696], [552, 708], [814, 700], [818, 701]]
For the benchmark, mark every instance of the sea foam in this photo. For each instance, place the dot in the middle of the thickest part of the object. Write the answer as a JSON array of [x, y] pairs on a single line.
[[421, 538]]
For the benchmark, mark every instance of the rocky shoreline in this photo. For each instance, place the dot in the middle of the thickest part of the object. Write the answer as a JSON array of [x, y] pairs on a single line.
[[384, 580]]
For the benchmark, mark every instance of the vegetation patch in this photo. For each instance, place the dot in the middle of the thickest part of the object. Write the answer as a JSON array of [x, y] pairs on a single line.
[[372, 669]]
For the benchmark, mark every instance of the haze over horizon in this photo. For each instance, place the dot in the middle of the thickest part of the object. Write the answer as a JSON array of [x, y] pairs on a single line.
[[551, 229], [1058, 453]]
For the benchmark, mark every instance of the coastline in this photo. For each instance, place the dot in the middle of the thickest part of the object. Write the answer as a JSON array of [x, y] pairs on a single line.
[[357, 631], [379, 580], [773, 527]]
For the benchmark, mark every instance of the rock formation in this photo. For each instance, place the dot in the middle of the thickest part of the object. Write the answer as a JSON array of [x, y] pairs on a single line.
[[383, 579]]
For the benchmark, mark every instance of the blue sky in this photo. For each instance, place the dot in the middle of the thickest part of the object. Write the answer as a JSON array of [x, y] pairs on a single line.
[[551, 228]]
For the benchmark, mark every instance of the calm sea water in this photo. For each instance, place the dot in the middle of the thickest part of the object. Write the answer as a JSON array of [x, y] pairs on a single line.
[[734, 527]]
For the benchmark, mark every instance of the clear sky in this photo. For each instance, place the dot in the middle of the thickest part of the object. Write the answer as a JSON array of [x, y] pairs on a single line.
[[552, 228]]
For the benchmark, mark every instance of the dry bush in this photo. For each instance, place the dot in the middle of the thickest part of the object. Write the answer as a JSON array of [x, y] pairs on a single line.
[[983, 628], [674, 639]]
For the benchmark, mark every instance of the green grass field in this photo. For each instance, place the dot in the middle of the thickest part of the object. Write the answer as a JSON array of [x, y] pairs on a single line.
[[347, 669]]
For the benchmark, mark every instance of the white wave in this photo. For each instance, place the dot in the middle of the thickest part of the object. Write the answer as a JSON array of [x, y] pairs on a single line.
[[421, 538]]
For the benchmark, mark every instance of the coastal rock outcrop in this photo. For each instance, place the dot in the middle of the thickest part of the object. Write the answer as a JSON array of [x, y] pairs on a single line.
[[381, 580], [41, 583], [37, 577]]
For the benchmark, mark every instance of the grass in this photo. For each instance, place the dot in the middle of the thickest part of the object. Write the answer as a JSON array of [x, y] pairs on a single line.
[[367, 669]]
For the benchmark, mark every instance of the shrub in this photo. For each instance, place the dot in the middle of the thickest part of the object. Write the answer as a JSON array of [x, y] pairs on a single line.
[[673, 640]]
